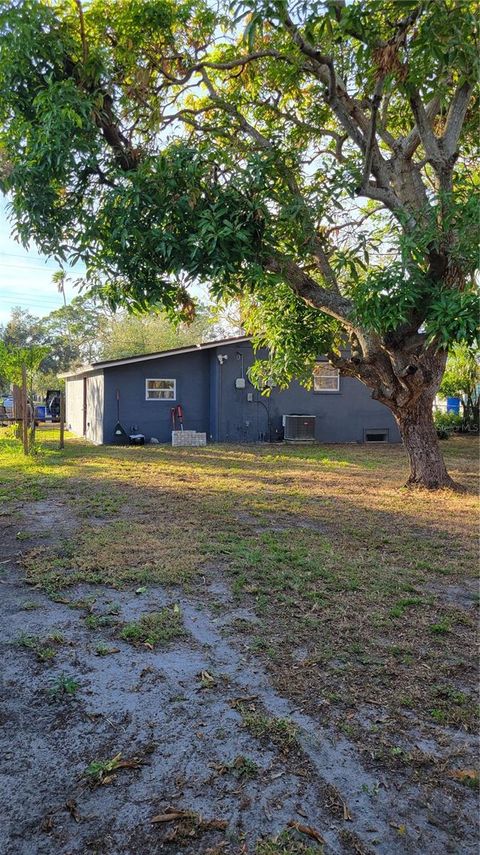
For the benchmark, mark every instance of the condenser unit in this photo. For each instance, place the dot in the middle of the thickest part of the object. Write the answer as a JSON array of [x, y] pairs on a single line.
[[298, 428]]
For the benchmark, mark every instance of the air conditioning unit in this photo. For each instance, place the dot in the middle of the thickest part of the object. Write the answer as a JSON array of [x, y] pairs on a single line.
[[298, 428]]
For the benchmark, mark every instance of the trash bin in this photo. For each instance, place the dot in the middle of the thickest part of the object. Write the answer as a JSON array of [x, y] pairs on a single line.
[[453, 405]]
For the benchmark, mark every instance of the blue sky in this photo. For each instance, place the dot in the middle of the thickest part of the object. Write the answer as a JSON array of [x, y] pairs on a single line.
[[25, 275]]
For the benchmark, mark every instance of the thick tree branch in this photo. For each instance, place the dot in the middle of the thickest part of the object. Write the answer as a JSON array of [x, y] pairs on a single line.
[[126, 157], [324, 265], [455, 119], [308, 289], [390, 200], [427, 137], [323, 60], [412, 141], [376, 101]]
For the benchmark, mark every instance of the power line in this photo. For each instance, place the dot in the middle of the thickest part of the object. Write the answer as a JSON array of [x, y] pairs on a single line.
[[29, 301], [27, 255], [28, 267]]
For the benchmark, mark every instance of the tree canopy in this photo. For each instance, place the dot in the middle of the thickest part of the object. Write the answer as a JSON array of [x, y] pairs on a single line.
[[316, 158], [86, 331]]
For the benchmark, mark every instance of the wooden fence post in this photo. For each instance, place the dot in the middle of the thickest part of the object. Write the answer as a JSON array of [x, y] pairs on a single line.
[[17, 410], [24, 410], [62, 419]]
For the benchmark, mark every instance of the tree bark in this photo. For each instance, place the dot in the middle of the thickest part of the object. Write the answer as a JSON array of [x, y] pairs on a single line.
[[417, 429], [407, 382]]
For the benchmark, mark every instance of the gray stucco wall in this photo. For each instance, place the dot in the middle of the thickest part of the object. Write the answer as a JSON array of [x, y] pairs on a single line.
[[152, 418], [211, 402], [340, 416]]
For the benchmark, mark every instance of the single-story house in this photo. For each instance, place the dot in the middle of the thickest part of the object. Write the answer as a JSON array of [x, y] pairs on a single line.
[[210, 383]]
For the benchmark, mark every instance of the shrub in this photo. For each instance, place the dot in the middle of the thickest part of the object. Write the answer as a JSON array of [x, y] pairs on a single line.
[[445, 423]]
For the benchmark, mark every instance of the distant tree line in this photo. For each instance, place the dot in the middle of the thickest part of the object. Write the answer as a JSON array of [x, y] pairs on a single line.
[[86, 331]]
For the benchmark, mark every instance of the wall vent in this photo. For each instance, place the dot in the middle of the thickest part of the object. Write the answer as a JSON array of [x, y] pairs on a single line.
[[375, 435], [299, 428]]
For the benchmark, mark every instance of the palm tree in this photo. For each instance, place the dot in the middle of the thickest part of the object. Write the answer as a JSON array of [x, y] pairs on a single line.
[[60, 279]]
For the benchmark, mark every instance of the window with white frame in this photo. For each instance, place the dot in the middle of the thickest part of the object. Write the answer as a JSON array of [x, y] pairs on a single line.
[[160, 390], [326, 378]]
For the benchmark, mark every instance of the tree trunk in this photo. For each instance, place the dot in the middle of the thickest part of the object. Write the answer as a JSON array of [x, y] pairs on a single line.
[[417, 429]]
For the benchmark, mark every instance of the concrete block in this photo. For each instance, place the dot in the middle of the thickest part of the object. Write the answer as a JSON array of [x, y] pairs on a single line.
[[188, 439]]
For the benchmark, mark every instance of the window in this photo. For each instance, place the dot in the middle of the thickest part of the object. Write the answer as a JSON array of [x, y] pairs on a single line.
[[326, 378], [160, 390]]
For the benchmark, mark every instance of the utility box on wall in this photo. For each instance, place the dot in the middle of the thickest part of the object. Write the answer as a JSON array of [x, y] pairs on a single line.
[[240, 383]]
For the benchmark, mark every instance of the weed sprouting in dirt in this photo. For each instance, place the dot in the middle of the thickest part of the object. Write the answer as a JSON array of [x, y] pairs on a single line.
[[105, 650], [93, 621], [42, 647], [281, 731], [286, 844], [102, 771], [30, 606], [99, 772], [30, 642], [244, 767], [156, 628], [64, 685]]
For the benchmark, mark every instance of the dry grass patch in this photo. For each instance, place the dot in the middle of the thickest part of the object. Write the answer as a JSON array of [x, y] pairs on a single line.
[[117, 553], [362, 587]]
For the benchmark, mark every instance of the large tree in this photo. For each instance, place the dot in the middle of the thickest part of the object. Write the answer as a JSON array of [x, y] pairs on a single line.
[[314, 157]]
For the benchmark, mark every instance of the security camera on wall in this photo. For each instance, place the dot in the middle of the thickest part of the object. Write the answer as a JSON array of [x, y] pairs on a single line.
[[222, 357]]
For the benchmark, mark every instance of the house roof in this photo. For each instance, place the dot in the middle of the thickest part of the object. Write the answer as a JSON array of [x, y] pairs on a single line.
[[128, 360]]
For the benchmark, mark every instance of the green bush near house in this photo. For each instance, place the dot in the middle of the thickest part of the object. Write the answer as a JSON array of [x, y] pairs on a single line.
[[446, 423]]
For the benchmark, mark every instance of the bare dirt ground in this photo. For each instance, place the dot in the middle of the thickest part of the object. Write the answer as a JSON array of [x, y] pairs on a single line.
[[221, 727]]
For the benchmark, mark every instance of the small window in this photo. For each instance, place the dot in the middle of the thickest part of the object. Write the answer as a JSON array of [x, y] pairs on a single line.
[[326, 378], [160, 390]]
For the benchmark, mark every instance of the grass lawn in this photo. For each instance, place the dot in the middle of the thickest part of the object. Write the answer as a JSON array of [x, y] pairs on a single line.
[[347, 603]]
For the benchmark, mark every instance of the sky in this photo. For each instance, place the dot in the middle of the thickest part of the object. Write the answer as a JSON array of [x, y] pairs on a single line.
[[25, 276]]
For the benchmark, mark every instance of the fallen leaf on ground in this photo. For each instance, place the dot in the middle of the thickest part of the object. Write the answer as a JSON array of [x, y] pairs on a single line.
[[235, 701], [133, 763], [402, 829], [464, 774], [218, 824], [47, 823], [171, 816], [71, 806], [307, 830]]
